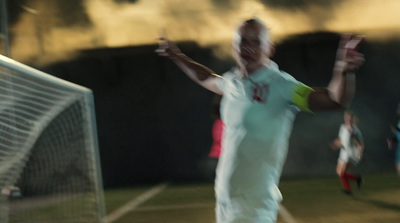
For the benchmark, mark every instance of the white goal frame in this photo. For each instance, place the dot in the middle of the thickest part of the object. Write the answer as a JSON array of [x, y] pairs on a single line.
[[10, 67]]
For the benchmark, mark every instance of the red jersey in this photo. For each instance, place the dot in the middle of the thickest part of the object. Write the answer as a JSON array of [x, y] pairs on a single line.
[[217, 132]]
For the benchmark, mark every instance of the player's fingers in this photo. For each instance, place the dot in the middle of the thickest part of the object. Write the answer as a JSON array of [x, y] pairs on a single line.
[[354, 63], [161, 52], [345, 39], [354, 42], [162, 42], [354, 55]]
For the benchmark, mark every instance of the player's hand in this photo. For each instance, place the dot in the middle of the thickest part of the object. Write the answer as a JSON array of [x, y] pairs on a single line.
[[333, 146], [347, 52], [360, 151], [389, 143], [166, 47], [336, 144]]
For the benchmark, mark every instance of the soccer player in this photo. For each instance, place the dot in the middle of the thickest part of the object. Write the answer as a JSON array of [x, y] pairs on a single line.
[[217, 133], [258, 108], [351, 145], [395, 139], [217, 129]]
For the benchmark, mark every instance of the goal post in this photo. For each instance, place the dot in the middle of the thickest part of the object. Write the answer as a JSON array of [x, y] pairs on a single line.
[[49, 156]]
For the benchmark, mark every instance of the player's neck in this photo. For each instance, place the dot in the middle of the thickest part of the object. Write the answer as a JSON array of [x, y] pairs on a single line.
[[251, 68]]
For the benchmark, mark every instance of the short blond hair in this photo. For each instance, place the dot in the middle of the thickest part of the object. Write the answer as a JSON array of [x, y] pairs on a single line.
[[265, 38]]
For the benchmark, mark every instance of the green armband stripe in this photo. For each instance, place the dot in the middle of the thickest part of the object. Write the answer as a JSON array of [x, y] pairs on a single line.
[[300, 97]]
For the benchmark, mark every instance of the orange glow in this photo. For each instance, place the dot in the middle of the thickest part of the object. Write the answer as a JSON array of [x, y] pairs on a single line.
[[128, 24]]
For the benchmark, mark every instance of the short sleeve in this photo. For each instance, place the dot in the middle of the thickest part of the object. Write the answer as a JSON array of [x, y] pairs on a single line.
[[223, 81], [359, 136], [221, 84]]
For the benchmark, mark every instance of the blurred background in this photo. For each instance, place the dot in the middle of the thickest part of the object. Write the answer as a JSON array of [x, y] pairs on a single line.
[[154, 124]]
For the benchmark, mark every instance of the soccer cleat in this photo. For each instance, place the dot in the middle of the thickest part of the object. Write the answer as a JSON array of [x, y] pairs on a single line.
[[347, 192], [359, 182]]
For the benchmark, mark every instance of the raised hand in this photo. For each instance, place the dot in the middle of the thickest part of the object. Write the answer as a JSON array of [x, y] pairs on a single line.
[[166, 47], [347, 52]]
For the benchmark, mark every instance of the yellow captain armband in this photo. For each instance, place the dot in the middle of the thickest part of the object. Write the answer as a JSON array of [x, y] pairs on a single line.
[[300, 97], [217, 75]]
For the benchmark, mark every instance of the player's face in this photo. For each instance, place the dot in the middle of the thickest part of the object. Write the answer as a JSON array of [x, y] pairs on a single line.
[[251, 45], [348, 118]]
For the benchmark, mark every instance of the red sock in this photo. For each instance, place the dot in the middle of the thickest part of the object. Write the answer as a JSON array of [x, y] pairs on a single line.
[[350, 176], [345, 182]]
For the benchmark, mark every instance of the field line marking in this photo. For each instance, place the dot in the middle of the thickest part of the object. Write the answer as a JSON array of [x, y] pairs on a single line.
[[176, 207], [285, 214], [135, 202]]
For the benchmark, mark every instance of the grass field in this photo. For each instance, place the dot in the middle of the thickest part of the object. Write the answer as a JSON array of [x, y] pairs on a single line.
[[308, 200]]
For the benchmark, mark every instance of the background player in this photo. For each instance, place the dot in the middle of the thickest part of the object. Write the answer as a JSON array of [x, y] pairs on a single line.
[[208, 165], [351, 145], [394, 140]]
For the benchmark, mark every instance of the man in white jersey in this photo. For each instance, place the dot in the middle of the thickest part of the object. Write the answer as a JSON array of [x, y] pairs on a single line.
[[258, 108]]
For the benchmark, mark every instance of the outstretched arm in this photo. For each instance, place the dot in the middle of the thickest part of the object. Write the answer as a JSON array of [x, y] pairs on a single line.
[[197, 72], [341, 88]]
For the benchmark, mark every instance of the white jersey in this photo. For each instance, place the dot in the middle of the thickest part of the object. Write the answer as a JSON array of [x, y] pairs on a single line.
[[350, 141], [258, 112]]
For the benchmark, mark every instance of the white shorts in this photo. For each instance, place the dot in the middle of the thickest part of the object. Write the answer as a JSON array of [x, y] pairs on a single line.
[[346, 157], [249, 209]]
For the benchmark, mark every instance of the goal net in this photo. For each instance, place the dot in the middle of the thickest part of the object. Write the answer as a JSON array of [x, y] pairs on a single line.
[[49, 161]]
